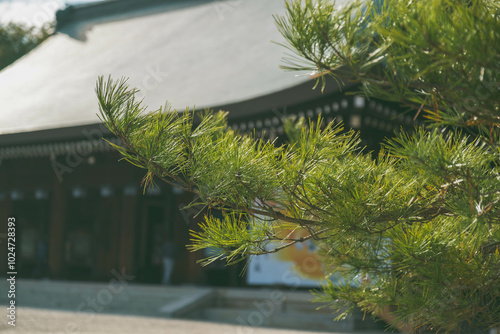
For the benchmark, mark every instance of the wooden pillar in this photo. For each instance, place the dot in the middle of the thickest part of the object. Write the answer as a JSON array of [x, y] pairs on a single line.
[[5, 213], [56, 232], [127, 234]]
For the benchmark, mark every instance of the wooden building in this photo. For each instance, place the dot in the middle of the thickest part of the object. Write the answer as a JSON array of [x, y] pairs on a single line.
[[65, 186]]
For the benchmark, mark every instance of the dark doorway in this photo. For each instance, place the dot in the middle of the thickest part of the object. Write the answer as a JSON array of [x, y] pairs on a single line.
[[152, 231], [32, 222]]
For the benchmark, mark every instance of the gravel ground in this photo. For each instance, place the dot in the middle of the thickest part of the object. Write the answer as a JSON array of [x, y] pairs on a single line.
[[33, 320]]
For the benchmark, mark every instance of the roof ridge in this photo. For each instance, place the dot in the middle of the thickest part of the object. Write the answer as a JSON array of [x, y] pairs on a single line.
[[84, 11]]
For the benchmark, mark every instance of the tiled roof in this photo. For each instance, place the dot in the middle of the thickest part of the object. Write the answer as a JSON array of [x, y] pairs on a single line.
[[202, 53]]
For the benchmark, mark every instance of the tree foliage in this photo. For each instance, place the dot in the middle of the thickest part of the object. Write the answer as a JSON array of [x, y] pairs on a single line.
[[16, 40], [415, 230]]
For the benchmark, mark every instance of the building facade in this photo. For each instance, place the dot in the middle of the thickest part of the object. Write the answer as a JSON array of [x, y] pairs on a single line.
[[80, 211]]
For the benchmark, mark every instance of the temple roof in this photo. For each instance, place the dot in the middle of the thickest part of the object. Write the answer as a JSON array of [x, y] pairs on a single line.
[[192, 53]]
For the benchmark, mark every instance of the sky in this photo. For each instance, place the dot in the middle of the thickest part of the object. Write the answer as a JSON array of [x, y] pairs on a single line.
[[33, 12]]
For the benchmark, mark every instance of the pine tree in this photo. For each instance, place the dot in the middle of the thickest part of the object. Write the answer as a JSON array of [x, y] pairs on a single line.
[[415, 231], [16, 40]]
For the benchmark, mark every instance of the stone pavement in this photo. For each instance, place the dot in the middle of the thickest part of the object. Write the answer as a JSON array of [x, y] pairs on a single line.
[[34, 320], [251, 307]]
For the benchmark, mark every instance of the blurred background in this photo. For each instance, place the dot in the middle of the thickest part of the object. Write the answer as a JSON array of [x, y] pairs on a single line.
[[81, 215]]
